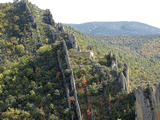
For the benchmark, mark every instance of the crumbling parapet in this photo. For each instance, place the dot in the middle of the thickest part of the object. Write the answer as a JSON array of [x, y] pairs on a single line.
[[89, 55]]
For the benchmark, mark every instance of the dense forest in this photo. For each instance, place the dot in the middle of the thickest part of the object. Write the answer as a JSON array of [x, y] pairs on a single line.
[[142, 46], [49, 71]]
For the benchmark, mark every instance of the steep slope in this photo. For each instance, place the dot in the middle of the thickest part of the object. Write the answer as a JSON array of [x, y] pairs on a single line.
[[142, 70], [31, 81], [142, 46], [116, 28], [53, 72], [102, 90]]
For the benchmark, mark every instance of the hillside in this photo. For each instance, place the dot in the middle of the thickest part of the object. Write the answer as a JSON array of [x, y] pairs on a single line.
[[123, 28], [142, 70], [141, 46], [49, 71]]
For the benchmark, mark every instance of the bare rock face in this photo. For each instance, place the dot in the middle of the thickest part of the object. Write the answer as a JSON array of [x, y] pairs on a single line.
[[47, 18], [60, 27], [124, 78], [113, 61], [51, 35], [72, 41], [148, 103], [123, 82], [24, 6], [143, 106]]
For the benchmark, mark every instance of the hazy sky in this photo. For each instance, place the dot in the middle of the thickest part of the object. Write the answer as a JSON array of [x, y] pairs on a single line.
[[80, 11]]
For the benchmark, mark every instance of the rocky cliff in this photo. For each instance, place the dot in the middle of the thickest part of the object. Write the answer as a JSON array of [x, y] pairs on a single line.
[[148, 103], [46, 73]]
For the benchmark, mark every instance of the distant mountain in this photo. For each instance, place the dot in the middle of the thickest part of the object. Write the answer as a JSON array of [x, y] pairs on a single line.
[[116, 28]]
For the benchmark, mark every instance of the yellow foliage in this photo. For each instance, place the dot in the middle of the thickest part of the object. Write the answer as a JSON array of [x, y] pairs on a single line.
[[14, 114], [1, 76], [20, 48], [43, 49]]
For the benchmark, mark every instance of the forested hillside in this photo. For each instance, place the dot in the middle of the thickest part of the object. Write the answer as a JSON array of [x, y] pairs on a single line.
[[142, 70], [49, 71], [142, 46]]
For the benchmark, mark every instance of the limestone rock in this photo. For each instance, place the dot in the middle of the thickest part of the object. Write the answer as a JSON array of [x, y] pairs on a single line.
[[148, 103], [47, 18], [51, 35], [112, 61], [72, 41], [60, 27], [25, 7], [123, 82]]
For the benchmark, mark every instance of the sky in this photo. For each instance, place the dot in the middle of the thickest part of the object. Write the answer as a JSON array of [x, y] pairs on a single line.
[[80, 11]]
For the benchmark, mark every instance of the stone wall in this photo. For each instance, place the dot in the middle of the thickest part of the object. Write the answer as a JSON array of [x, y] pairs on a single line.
[[83, 54]]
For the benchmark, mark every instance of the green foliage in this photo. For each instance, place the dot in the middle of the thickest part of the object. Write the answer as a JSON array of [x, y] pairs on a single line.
[[13, 114], [43, 49], [142, 70], [32, 85]]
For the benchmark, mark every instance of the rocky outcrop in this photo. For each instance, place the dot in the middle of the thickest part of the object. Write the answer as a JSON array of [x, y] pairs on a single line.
[[148, 103], [24, 6], [71, 42], [72, 80], [51, 35], [60, 27], [112, 61], [124, 79], [126, 72], [123, 82], [66, 86], [47, 18]]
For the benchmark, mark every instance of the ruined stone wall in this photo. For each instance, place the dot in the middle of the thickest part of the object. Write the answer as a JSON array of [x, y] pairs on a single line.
[[82, 54]]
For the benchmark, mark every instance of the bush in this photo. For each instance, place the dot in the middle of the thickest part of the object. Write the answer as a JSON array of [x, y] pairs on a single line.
[[43, 49]]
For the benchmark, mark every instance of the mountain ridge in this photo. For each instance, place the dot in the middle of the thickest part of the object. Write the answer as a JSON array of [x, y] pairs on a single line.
[[41, 77], [117, 28]]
